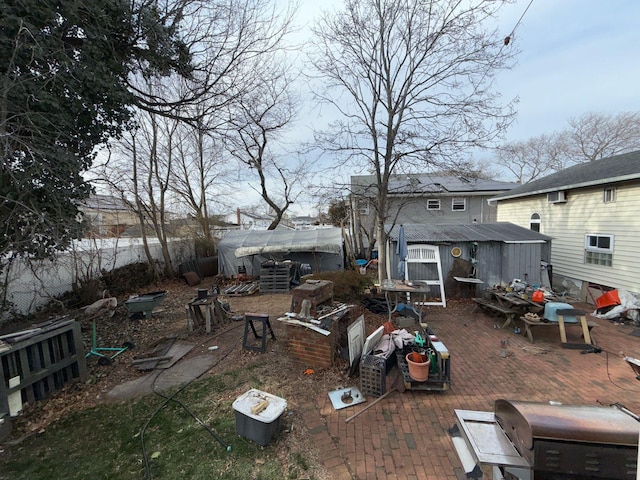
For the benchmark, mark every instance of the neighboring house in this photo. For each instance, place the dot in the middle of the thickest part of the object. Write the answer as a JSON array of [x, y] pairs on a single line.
[[108, 216], [421, 198], [308, 223], [591, 212], [254, 221], [305, 222], [425, 198]]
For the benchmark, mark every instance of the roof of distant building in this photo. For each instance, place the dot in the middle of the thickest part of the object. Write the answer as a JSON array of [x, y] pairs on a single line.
[[105, 202], [425, 184]]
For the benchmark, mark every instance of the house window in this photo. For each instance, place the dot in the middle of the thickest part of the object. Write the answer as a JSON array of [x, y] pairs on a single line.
[[459, 204], [556, 197], [609, 195], [433, 204], [363, 206], [598, 249], [534, 223]]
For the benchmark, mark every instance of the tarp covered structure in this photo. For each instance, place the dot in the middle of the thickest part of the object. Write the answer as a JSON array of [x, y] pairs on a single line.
[[321, 249]]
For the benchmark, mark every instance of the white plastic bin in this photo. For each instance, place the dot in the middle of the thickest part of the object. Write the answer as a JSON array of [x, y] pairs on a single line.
[[258, 427]]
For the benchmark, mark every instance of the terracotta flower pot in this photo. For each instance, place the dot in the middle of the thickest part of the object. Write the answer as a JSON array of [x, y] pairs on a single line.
[[419, 365]]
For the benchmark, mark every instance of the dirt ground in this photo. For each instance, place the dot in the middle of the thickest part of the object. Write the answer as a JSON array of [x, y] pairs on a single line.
[[170, 320]]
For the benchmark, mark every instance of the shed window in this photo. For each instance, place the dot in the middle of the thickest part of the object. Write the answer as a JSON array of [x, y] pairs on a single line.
[[609, 195], [433, 204], [534, 224], [459, 204], [598, 249]]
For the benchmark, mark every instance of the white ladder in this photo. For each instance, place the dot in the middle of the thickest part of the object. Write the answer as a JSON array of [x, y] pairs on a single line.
[[422, 253]]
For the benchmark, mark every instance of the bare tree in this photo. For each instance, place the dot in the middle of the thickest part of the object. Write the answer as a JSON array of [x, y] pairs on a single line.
[[411, 82], [223, 41], [152, 155], [255, 139], [183, 120], [594, 136], [533, 158], [590, 137], [199, 176]]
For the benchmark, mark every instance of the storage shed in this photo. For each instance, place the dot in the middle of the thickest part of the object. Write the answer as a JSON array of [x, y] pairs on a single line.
[[321, 249], [489, 252]]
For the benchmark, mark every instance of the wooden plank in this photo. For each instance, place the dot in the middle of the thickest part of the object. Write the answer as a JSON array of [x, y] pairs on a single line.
[[529, 324]]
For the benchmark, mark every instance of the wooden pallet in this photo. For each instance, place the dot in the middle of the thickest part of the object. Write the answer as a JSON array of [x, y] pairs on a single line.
[[242, 289], [275, 278]]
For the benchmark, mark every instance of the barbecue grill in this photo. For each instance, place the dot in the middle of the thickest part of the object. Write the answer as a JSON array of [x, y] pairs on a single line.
[[547, 441]]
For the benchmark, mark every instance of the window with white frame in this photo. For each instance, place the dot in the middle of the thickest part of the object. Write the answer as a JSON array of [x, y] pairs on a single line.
[[598, 249], [459, 204], [534, 223], [433, 204], [609, 195], [363, 206]]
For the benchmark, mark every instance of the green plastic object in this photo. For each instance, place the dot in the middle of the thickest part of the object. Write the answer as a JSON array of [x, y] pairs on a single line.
[[434, 361]]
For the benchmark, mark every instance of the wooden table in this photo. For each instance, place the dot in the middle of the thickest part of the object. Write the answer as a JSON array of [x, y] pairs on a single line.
[[516, 302], [561, 324], [497, 308], [508, 304]]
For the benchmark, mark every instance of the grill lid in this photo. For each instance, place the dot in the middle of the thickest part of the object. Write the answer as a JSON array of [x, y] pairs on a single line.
[[523, 422]]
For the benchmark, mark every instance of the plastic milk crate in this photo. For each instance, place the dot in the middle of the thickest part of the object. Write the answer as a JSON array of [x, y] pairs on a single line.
[[373, 373]]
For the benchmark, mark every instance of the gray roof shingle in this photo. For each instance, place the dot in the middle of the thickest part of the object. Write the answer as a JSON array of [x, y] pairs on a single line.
[[608, 170], [425, 184], [475, 232]]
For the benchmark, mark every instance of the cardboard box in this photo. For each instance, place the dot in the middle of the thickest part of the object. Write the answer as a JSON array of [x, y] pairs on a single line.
[[259, 426]]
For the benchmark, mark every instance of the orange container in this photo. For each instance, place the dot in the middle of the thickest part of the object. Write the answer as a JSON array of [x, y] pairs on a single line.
[[608, 299], [538, 296]]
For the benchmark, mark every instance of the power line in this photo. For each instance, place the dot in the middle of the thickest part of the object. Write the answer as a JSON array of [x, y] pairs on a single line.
[[507, 39]]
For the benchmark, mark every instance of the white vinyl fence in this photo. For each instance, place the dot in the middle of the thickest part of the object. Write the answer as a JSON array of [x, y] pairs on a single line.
[[31, 286]]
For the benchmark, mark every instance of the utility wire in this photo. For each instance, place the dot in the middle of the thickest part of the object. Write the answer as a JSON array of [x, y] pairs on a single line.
[[508, 37]]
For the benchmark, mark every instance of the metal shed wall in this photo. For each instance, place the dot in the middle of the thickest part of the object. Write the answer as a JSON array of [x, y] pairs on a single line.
[[495, 261]]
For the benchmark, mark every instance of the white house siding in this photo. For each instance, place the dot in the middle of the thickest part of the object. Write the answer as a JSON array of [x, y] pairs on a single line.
[[585, 212]]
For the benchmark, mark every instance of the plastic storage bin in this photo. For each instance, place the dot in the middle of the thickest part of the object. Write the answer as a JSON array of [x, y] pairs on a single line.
[[260, 426], [551, 308]]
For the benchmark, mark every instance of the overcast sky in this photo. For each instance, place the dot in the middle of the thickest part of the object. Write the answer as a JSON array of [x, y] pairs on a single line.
[[576, 56]]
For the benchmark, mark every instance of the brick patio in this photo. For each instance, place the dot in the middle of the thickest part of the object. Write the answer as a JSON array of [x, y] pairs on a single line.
[[405, 436]]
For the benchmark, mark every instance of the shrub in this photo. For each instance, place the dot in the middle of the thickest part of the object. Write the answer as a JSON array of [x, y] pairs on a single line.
[[347, 284]]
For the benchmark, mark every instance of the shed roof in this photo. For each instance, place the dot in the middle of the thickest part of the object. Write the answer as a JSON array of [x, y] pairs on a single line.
[[614, 169], [475, 232]]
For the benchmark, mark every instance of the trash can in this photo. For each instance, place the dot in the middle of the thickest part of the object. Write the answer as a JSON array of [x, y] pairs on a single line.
[[258, 415]]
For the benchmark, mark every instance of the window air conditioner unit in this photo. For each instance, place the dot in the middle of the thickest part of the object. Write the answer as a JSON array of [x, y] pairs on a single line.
[[556, 197]]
